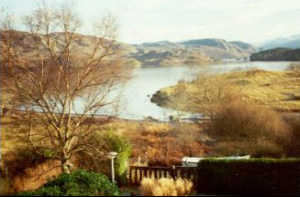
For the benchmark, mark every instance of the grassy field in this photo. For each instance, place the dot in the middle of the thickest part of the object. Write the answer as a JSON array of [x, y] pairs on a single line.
[[277, 90]]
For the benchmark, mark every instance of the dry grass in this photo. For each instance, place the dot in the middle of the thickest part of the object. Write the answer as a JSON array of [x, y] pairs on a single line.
[[162, 144], [245, 128], [277, 90], [153, 143], [293, 120], [295, 66], [167, 147], [165, 187], [242, 104]]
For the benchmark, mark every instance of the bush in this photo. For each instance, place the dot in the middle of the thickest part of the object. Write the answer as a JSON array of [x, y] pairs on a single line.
[[107, 141], [165, 187], [293, 120], [5, 187], [24, 157], [122, 146], [78, 183], [294, 67], [249, 176], [249, 129]]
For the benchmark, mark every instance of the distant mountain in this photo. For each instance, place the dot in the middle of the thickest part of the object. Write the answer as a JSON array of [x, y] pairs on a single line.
[[218, 43], [278, 54], [162, 53], [221, 49], [243, 45], [292, 42], [198, 51], [158, 56], [166, 44]]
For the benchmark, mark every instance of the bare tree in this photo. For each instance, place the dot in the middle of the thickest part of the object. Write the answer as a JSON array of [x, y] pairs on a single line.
[[50, 68]]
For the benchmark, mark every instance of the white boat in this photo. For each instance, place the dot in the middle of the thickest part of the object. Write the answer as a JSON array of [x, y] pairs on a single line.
[[193, 161]]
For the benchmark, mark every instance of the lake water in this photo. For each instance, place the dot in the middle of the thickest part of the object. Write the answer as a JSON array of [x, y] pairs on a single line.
[[135, 101]]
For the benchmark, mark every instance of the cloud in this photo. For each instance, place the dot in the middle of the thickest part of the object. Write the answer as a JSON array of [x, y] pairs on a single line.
[[152, 20]]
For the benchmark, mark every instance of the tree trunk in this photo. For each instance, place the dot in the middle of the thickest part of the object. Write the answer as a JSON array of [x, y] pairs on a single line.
[[66, 164]]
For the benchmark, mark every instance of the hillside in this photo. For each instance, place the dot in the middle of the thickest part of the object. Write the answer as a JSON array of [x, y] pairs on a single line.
[[278, 54], [163, 53], [190, 52], [169, 57], [231, 47]]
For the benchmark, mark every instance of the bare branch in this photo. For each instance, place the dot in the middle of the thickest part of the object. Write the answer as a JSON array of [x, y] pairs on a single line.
[[48, 70]]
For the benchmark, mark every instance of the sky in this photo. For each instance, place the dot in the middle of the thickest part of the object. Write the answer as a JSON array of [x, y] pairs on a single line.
[[253, 21]]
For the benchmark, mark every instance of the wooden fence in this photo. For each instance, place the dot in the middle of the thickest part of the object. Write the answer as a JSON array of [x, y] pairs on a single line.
[[137, 173]]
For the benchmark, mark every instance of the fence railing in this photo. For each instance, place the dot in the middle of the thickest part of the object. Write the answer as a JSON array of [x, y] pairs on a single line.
[[137, 173]]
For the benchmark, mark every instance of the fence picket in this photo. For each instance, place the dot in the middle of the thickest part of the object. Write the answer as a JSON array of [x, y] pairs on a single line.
[[136, 174]]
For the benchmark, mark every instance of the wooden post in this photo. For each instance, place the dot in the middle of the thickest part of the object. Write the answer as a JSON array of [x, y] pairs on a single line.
[[155, 174], [159, 173], [148, 175], [130, 175], [173, 171], [166, 173], [135, 176], [142, 172]]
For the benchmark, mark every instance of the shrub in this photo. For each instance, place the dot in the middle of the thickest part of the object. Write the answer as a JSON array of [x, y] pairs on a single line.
[[165, 187], [5, 187], [293, 120], [78, 183], [107, 141], [122, 146], [249, 176], [24, 157], [259, 131], [147, 185], [162, 144], [183, 186], [294, 67]]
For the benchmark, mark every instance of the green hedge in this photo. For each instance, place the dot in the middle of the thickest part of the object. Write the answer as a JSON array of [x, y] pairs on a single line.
[[78, 183], [249, 176]]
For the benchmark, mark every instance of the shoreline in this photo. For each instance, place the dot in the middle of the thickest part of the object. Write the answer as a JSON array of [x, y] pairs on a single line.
[[275, 89]]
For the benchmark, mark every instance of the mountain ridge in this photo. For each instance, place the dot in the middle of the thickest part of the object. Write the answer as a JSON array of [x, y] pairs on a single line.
[[194, 51], [161, 53]]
